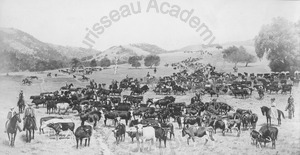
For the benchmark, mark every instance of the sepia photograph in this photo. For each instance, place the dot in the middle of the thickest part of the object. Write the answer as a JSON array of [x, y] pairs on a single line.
[[154, 77]]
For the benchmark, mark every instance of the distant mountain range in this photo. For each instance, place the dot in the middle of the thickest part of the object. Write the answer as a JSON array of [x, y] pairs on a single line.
[[29, 47], [16, 40]]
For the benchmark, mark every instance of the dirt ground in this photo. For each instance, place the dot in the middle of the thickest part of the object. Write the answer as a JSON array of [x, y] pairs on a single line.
[[103, 141]]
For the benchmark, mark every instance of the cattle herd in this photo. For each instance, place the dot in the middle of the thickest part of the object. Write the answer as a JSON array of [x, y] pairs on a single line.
[[151, 118]]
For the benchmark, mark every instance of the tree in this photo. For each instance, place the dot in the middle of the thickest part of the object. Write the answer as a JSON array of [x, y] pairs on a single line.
[[249, 59], [75, 62], [280, 41], [41, 65], [236, 55], [151, 60], [93, 63], [134, 61], [136, 64], [105, 62]]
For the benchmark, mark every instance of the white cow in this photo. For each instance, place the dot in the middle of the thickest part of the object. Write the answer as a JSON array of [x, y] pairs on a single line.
[[145, 134], [62, 106]]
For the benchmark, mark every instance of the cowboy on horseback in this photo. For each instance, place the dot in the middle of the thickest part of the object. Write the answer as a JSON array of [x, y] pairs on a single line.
[[10, 114], [29, 113], [290, 106]]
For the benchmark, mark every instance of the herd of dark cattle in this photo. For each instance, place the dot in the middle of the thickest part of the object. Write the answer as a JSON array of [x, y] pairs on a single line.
[[151, 118]]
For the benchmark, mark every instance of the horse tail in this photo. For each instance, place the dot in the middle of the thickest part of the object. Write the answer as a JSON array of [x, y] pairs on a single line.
[[280, 112]]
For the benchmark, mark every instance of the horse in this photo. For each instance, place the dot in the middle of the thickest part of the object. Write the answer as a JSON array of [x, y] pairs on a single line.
[[29, 126], [267, 111], [21, 105], [11, 128]]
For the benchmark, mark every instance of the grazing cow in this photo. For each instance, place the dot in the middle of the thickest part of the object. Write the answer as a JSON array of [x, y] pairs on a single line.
[[193, 131], [255, 137], [268, 134], [119, 132], [59, 125], [62, 106], [144, 134], [83, 132], [44, 119]]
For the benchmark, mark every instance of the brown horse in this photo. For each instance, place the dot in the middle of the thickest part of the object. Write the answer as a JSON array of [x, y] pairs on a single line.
[[267, 111], [29, 126], [11, 128]]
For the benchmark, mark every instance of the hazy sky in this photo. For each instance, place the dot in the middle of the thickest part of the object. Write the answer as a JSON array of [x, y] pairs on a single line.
[[64, 22]]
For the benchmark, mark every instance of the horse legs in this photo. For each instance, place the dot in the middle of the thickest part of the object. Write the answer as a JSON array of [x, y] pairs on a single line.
[[32, 133], [14, 139], [8, 138]]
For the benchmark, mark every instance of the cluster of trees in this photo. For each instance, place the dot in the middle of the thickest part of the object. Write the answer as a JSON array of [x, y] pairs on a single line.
[[16, 61], [105, 62], [280, 41], [238, 55], [135, 61], [149, 61]]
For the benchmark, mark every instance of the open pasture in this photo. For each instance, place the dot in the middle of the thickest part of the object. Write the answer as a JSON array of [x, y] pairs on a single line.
[[103, 141]]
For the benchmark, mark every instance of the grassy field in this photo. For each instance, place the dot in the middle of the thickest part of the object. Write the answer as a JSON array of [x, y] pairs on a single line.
[[103, 141]]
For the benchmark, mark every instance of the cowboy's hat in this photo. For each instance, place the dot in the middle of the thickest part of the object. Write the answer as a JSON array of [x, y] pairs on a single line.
[[12, 108], [272, 99]]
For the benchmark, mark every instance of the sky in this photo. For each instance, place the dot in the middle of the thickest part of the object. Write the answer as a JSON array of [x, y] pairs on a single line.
[[64, 22]]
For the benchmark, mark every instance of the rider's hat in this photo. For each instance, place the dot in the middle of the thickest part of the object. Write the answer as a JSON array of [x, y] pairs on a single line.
[[11, 108], [273, 99], [30, 104]]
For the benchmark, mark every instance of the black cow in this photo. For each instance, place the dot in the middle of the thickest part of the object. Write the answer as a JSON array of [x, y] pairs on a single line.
[[268, 134], [83, 132], [51, 105], [161, 134], [37, 102]]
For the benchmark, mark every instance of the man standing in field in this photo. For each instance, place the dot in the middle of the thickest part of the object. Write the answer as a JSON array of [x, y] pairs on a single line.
[[290, 107]]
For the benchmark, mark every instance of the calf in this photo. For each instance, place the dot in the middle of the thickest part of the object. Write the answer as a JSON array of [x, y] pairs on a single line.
[[119, 133], [255, 136], [132, 133], [83, 132]]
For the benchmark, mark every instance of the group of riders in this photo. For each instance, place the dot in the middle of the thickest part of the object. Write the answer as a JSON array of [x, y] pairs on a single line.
[[29, 113]]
